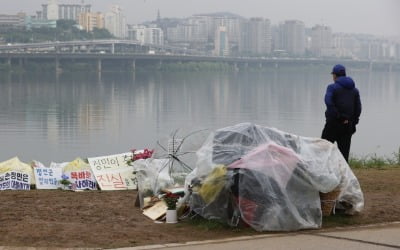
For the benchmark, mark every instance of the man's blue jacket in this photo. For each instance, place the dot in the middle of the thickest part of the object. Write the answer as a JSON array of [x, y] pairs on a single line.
[[342, 101]]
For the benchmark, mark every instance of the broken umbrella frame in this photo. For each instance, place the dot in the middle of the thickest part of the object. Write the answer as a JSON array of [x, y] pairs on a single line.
[[174, 153]]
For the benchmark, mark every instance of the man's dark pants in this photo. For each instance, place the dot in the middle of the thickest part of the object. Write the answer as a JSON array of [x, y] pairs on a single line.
[[336, 131]]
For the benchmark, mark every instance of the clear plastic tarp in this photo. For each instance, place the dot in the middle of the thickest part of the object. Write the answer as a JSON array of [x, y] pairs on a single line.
[[269, 179]]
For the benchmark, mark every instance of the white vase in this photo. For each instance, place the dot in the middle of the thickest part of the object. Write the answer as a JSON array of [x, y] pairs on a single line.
[[171, 216]]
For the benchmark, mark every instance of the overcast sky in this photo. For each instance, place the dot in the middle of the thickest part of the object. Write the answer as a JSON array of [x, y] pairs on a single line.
[[379, 17]]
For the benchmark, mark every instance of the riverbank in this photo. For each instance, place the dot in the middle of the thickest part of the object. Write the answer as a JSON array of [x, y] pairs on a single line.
[[40, 218]]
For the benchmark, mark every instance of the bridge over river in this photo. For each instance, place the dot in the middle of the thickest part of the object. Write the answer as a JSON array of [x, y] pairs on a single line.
[[129, 54]]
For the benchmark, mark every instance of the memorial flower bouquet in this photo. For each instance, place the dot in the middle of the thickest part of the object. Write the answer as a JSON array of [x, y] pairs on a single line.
[[140, 154], [171, 199]]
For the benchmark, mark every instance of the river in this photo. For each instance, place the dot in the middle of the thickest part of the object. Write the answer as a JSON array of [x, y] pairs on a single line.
[[49, 118]]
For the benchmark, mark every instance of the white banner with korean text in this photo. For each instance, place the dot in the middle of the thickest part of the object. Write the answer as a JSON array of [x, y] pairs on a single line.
[[47, 178], [13, 180], [113, 172]]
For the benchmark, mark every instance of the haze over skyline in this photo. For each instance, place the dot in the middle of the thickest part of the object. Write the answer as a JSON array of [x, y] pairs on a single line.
[[377, 17]]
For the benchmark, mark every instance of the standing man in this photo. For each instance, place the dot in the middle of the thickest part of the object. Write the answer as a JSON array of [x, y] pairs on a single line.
[[343, 109]]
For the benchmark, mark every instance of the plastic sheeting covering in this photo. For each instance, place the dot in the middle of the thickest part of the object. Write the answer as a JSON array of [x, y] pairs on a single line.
[[273, 179]]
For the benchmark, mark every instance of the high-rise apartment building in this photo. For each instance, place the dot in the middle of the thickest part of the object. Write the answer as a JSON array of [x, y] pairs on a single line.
[[292, 37], [176, 34], [72, 11], [146, 35], [346, 46], [135, 32], [88, 21], [154, 36], [321, 40], [197, 29], [232, 25], [221, 42], [52, 10], [256, 37], [115, 22]]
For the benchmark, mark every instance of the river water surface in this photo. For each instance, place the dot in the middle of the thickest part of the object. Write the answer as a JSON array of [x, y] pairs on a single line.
[[49, 118]]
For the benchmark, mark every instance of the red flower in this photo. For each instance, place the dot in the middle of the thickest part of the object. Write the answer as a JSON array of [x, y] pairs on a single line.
[[146, 154], [171, 199]]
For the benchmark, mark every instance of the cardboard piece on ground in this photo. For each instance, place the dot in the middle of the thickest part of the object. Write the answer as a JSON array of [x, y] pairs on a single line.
[[159, 209]]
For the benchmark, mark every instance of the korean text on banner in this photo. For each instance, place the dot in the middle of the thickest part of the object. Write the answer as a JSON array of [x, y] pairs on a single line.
[[113, 172], [13, 180], [47, 178], [80, 175]]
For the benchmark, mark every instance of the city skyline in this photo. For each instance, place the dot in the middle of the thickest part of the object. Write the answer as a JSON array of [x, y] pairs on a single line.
[[357, 16]]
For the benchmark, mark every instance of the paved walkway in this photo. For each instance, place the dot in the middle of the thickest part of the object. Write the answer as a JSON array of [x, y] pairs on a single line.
[[381, 236]]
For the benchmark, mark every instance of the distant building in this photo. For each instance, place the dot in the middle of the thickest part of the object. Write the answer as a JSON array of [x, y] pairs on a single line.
[[154, 36], [292, 37], [12, 21], [115, 22], [136, 33], [146, 35], [256, 37], [232, 25], [221, 42], [196, 29], [180, 33], [88, 21], [52, 10], [346, 46], [72, 11], [55, 11], [321, 41]]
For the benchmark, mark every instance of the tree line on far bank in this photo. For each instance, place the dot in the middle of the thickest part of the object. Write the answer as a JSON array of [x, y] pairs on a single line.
[[66, 30]]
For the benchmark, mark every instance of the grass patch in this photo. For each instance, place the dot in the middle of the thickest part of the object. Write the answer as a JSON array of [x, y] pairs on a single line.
[[339, 220], [207, 225], [375, 161]]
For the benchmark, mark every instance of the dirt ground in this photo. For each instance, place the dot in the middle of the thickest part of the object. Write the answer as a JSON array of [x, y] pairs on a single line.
[[44, 218]]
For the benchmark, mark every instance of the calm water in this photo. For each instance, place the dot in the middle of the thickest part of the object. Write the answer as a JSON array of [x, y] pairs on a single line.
[[57, 119]]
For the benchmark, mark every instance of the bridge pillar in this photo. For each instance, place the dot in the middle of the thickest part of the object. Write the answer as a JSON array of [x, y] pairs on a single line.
[[112, 48], [8, 61]]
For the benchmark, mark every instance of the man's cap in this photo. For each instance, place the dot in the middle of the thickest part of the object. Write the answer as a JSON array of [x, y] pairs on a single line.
[[339, 70]]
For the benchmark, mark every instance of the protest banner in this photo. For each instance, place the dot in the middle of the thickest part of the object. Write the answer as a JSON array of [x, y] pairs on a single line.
[[13, 180], [79, 173], [113, 172], [14, 164], [47, 178]]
